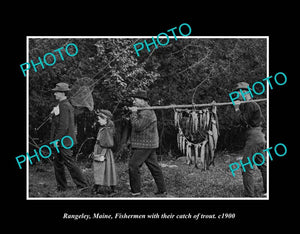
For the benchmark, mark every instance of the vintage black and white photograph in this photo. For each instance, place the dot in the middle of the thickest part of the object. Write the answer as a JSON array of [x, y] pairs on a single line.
[[147, 117]]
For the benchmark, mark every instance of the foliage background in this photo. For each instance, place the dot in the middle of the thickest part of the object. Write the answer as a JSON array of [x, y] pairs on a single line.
[[170, 74]]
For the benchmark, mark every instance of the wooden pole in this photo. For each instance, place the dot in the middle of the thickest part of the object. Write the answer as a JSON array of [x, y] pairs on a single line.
[[195, 105]]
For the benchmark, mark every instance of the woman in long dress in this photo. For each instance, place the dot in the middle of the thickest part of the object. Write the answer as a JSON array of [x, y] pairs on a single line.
[[105, 175]]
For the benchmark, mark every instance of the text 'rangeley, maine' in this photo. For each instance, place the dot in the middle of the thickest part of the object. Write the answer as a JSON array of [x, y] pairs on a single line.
[[155, 215]]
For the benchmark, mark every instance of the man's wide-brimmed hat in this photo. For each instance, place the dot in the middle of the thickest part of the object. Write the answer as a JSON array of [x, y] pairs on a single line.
[[105, 113], [140, 94], [242, 85], [61, 87]]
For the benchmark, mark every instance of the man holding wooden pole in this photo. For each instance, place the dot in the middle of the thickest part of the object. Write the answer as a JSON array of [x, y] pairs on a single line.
[[144, 142], [248, 113], [250, 116]]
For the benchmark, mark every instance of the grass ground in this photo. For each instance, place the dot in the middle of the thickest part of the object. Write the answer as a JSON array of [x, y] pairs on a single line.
[[182, 180]]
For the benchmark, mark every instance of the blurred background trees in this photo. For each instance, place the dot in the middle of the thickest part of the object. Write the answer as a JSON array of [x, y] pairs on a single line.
[[170, 74]]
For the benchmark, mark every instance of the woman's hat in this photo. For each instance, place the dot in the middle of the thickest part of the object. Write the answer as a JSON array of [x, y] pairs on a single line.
[[105, 113], [140, 94], [61, 87]]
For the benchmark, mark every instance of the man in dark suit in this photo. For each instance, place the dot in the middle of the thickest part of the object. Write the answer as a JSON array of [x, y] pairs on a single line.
[[63, 125]]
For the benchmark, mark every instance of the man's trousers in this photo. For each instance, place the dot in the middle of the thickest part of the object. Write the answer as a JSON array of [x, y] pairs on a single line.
[[148, 156], [255, 143], [65, 158]]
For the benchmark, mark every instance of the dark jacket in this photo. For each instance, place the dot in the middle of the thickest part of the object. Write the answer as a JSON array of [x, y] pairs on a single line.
[[250, 115], [63, 123], [144, 133]]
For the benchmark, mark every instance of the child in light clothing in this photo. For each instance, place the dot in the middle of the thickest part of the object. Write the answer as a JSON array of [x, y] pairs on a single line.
[[104, 165]]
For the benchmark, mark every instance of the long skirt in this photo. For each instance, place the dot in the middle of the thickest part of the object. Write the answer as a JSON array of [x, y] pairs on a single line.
[[105, 171]]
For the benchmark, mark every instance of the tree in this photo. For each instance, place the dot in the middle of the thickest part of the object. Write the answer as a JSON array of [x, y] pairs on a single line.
[[187, 70], [111, 66]]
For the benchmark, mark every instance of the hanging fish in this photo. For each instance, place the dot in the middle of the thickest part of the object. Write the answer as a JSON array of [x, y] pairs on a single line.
[[207, 157], [214, 111], [199, 155], [200, 120], [191, 126], [208, 118], [211, 146], [214, 132], [179, 117], [214, 108], [186, 121], [193, 121], [176, 119], [181, 143], [190, 152], [180, 140], [196, 122], [202, 154], [196, 156], [187, 154], [203, 119]]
